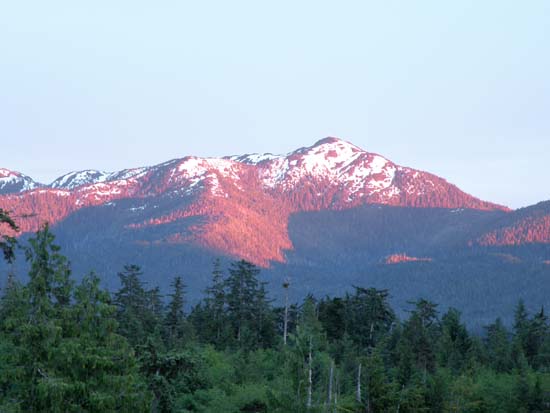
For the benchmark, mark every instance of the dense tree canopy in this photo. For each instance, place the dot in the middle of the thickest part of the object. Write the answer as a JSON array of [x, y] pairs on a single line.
[[79, 348], [60, 346], [7, 241]]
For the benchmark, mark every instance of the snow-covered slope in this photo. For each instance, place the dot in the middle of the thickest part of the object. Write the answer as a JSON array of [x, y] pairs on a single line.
[[333, 161], [243, 202], [337, 174], [12, 182], [332, 172], [75, 179]]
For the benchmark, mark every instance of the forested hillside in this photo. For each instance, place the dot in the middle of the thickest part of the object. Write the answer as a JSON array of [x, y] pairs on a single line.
[[330, 215], [74, 347]]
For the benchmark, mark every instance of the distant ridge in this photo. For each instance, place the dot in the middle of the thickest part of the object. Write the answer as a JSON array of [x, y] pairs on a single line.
[[243, 203]]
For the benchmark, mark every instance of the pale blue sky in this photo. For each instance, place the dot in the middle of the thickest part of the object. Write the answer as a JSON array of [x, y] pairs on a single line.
[[458, 88]]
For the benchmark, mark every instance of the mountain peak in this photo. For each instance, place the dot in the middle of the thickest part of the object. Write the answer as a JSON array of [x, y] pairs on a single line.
[[224, 203], [4, 173], [331, 141], [12, 182], [328, 148], [75, 179]]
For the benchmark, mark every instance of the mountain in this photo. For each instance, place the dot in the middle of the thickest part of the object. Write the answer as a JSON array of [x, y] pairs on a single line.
[[243, 202], [330, 215], [13, 182], [73, 180], [529, 225]]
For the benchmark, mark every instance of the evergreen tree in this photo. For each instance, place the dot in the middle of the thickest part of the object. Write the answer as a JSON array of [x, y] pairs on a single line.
[[49, 275], [543, 358], [48, 295], [521, 334], [246, 305], [370, 316], [521, 323], [335, 315], [265, 319], [13, 304], [536, 398], [498, 347], [175, 323], [136, 306], [242, 286], [420, 334], [521, 393], [536, 335], [405, 362], [155, 303], [170, 374], [378, 392], [214, 326], [99, 366], [64, 357], [436, 392], [62, 349], [13, 310], [454, 344], [7, 242], [307, 355]]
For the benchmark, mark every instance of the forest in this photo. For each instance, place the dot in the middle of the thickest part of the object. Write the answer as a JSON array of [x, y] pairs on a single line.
[[76, 347]]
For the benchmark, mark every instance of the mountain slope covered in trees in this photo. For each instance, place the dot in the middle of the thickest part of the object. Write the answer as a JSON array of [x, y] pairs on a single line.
[[243, 203], [329, 216], [75, 347]]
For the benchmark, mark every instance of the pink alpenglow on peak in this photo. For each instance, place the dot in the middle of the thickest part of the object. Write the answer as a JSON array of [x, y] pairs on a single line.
[[11, 181], [240, 205], [401, 258]]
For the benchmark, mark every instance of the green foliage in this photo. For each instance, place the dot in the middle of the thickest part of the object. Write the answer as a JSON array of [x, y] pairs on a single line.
[[138, 309], [498, 347], [62, 353], [236, 311], [170, 374], [7, 242], [213, 323], [177, 329], [247, 306], [370, 316], [378, 392], [454, 343], [420, 334], [67, 348]]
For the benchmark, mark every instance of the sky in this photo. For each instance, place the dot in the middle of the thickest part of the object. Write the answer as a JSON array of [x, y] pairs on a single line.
[[460, 89]]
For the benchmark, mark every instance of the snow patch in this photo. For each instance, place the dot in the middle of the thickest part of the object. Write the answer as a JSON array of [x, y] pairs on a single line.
[[253, 158], [195, 173], [140, 208], [90, 177], [338, 161], [11, 181], [75, 179]]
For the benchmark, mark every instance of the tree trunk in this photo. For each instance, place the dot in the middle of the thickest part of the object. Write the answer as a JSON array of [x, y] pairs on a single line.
[[285, 329], [358, 390], [425, 373], [371, 333], [310, 379], [330, 378], [335, 408], [400, 396]]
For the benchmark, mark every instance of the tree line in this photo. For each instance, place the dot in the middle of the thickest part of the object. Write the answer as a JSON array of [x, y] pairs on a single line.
[[67, 347]]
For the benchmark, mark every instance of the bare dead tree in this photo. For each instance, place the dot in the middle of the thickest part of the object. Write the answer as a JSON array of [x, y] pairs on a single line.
[[330, 379], [358, 389], [286, 285], [310, 375]]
